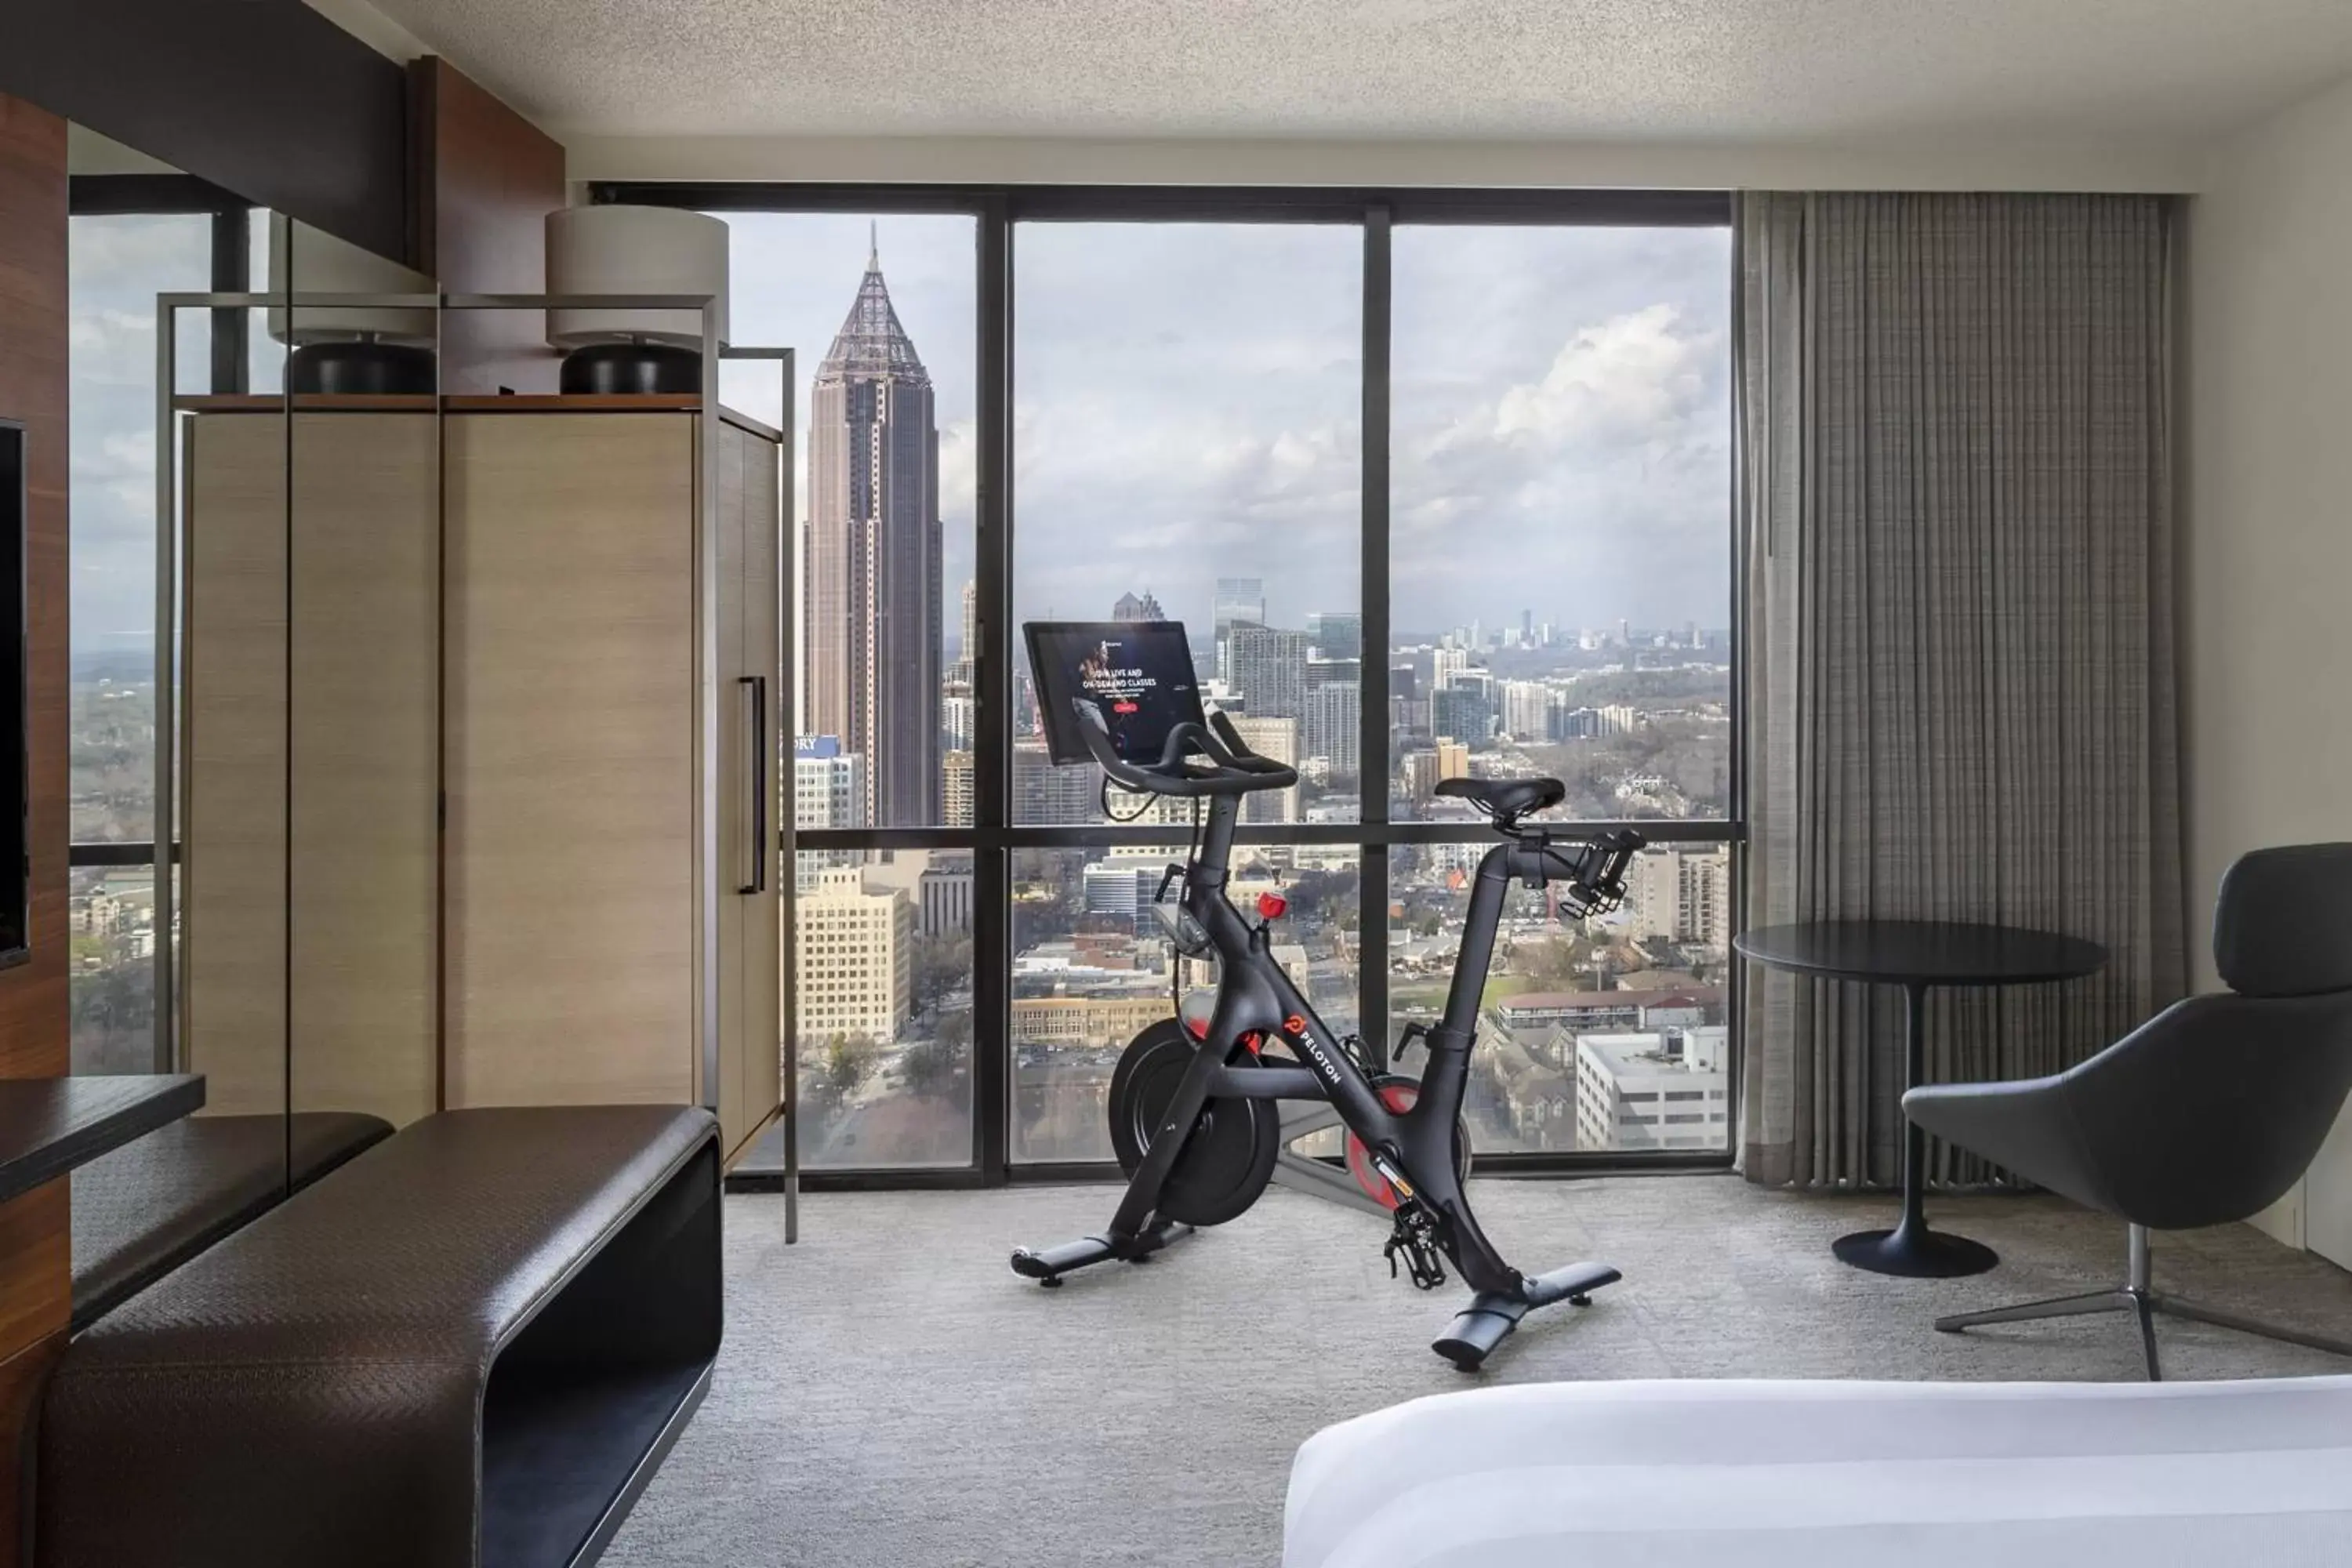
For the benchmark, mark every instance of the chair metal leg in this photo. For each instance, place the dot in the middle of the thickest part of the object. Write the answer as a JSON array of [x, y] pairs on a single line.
[[2141, 1300], [2175, 1306], [2091, 1301]]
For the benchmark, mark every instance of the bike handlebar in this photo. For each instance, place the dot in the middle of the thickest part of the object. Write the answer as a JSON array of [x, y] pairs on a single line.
[[1235, 770]]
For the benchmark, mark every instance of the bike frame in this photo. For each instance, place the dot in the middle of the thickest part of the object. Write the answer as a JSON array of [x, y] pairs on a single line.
[[1256, 996]]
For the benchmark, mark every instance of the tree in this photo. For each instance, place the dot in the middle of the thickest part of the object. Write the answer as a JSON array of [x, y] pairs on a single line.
[[942, 966], [930, 1065], [848, 1063]]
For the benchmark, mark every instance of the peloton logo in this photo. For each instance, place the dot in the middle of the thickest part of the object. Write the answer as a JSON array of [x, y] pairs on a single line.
[[1315, 1051]]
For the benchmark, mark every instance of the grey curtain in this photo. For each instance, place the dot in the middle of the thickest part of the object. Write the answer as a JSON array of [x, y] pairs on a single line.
[[1956, 484]]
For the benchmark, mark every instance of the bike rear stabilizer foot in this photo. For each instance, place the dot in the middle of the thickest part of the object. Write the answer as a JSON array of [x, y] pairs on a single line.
[[1046, 1265], [1491, 1315]]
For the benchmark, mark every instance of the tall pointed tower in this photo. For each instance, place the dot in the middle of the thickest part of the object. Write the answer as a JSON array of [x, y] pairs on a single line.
[[871, 595]]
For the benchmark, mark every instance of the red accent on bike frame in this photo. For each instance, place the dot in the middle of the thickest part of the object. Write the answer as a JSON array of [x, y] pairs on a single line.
[[1272, 906], [1198, 1028]]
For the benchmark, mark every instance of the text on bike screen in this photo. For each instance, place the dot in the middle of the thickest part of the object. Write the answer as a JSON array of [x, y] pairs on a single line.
[[1137, 674]]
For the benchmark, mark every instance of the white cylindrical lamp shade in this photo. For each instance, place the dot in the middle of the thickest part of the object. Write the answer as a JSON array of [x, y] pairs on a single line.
[[304, 260], [635, 250]]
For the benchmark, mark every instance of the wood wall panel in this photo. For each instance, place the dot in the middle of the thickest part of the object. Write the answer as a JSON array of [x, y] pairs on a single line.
[[36, 1261], [486, 179]]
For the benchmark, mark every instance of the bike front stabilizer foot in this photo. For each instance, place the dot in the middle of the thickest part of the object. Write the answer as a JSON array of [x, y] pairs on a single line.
[[1492, 1315]]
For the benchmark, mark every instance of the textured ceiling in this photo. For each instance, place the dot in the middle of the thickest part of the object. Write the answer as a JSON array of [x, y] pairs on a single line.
[[1632, 69]]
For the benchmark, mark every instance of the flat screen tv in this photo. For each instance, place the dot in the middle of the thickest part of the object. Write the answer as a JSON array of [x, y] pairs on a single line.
[[16, 838]]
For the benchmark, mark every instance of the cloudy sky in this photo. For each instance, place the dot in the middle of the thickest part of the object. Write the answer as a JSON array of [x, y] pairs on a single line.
[[1186, 409]]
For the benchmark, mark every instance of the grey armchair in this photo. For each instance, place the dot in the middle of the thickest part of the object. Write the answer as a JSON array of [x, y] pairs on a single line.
[[2206, 1113]]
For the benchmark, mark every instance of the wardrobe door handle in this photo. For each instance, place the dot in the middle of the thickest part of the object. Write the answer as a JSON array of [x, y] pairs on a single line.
[[755, 691]]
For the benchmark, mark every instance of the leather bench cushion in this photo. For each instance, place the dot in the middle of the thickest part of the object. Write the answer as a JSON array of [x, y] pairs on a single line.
[[150, 1205]]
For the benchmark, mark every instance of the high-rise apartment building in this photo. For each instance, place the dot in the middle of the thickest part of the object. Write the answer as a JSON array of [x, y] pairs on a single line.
[[871, 596], [955, 789], [1328, 729], [1268, 666], [856, 958], [1681, 892], [1525, 708]]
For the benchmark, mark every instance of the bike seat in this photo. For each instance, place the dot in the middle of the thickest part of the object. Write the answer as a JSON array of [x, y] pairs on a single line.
[[1505, 799]]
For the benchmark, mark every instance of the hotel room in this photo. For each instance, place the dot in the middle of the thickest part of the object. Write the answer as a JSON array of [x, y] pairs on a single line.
[[1380, 783]]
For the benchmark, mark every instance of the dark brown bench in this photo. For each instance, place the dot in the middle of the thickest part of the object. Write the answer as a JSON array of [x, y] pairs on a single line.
[[149, 1207], [472, 1344]]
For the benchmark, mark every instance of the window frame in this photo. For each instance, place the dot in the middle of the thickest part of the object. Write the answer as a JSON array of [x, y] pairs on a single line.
[[992, 837]]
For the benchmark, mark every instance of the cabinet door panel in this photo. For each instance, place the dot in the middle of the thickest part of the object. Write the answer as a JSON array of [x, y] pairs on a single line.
[[569, 763]]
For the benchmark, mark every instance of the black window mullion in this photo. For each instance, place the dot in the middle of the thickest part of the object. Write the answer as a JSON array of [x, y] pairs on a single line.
[[1373, 647], [992, 990], [232, 274]]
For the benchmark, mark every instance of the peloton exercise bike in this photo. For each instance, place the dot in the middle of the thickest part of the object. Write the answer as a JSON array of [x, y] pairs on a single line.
[[1194, 1116]]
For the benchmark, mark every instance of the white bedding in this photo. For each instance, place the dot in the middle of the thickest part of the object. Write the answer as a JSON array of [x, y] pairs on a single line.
[[1834, 1475]]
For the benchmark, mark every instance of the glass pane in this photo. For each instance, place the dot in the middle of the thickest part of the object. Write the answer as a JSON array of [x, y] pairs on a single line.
[[110, 920], [116, 267], [1607, 1033], [1091, 969], [883, 316], [1560, 565], [1186, 446], [882, 1009]]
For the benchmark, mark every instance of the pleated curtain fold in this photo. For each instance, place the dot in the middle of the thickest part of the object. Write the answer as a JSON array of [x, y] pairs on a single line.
[[1956, 493]]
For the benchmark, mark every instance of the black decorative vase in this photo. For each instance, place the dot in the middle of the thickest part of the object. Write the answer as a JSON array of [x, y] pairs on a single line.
[[361, 368], [605, 368]]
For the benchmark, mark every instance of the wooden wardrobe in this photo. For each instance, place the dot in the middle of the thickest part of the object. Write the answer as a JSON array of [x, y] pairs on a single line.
[[454, 835]]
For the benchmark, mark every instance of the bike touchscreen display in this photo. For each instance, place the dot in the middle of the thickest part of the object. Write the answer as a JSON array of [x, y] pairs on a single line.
[[1137, 674]]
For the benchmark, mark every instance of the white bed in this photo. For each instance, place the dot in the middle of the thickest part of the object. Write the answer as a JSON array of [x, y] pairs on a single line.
[[1834, 1475]]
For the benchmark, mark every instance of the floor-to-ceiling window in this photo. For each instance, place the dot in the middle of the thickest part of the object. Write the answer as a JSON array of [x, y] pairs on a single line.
[[879, 309], [131, 238], [1186, 409], [1560, 606], [1438, 485]]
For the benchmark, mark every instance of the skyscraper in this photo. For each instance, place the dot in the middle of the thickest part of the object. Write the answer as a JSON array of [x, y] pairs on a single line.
[[1336, 634], [1239, 599], [1131, 607], [1268, 666], [872, 599]]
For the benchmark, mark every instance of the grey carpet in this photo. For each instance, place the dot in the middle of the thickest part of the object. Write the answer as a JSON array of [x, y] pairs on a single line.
[[890, 1393]]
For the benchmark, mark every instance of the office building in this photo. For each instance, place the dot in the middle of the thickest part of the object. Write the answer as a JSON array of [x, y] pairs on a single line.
[[855, 952], [1666, 1089], [871, 605], [1137, 608], [943, 894], [1336, 634]]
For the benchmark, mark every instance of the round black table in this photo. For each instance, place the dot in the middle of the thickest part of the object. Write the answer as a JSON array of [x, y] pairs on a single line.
[[1916, 955]]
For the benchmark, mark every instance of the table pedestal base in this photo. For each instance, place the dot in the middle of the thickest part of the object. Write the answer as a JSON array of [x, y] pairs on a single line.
[[1914, 1252]]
